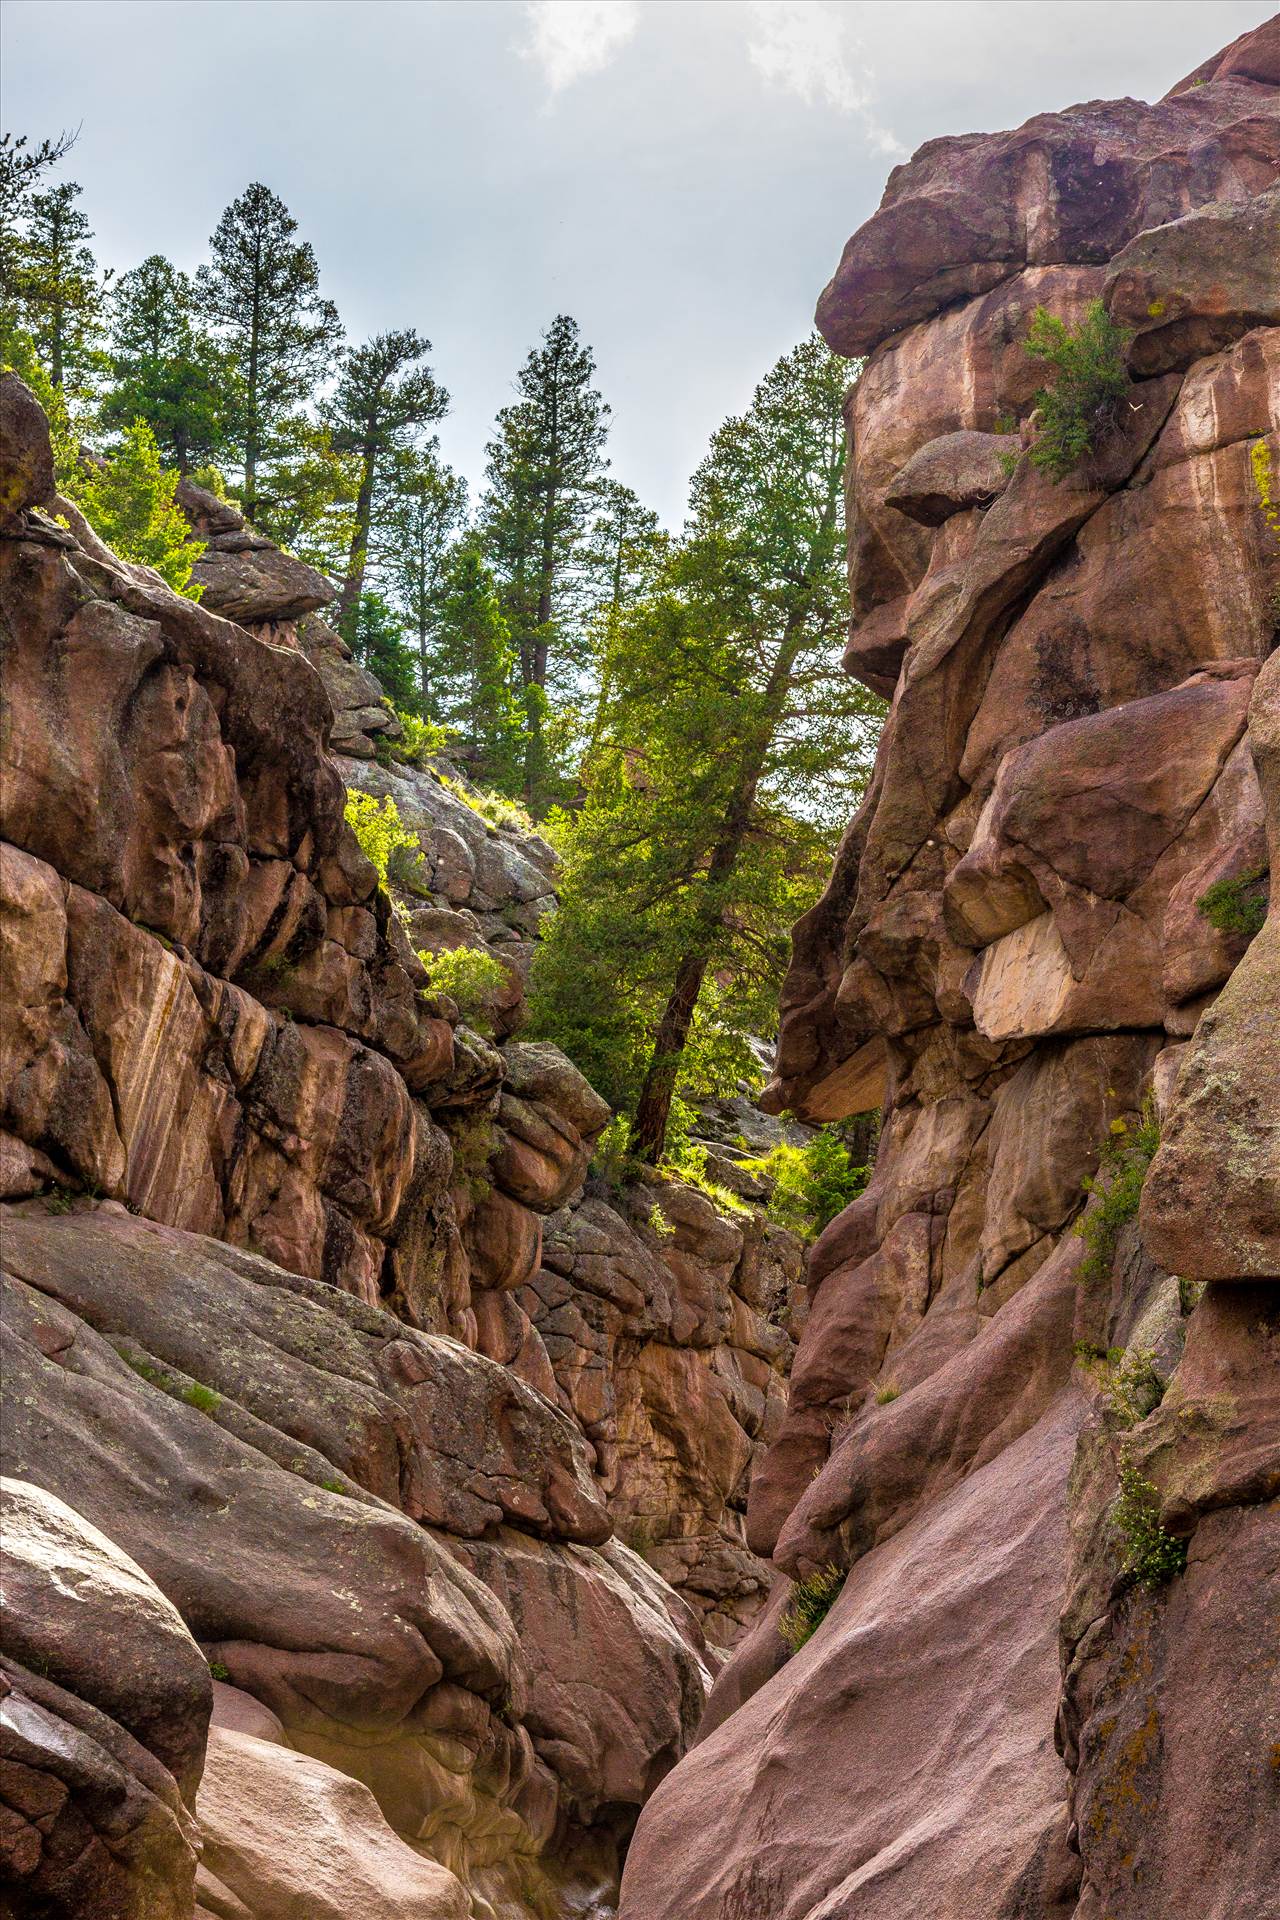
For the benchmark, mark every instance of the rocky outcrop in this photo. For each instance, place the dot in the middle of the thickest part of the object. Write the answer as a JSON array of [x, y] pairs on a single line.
[[1032, 1445], [329, 1374]]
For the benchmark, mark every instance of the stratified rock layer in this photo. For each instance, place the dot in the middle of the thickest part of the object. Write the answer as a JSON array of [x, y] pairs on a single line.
[[312, 1324], [1010, 1710]]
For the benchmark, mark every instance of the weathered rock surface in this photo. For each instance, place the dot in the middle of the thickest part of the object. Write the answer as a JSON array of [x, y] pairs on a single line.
[[104, 1708], [283, 1331], [1012, 958]]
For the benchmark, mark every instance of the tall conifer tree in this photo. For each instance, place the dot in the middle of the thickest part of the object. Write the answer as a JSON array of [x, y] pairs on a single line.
[[546, 466], [165, 368], [383, 400], [262, 295]]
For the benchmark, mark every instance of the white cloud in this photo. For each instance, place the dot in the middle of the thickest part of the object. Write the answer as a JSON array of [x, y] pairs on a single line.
[[571, 38], [806, 47]]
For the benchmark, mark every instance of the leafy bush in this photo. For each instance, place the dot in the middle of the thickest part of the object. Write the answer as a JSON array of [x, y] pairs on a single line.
[[379, 829], [1152, 1556], [470, 976], [130, 504], [1117, 1188], [811, 1184], [1089, 382], [1237, 906], [1129, 1381], [811, 1601], [419, 739]]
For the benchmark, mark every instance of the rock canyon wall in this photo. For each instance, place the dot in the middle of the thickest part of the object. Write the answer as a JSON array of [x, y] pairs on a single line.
[[334, 1389], [1004, 1433]]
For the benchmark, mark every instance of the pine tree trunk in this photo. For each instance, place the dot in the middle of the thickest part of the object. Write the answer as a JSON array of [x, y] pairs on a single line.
[[353, 584]]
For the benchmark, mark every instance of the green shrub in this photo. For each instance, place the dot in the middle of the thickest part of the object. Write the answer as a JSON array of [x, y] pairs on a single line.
[[378, 828], [1129, 1381], [811, 1184], [887, 1394], [130, 504], [1152, 1556], [219, 1670], [471, 977], [1237, 906], [811, 1601], [1089, 381], [419, 739], [1117, 1189]]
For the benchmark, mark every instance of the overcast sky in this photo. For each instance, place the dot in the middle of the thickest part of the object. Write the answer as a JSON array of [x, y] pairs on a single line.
[[680, 175]]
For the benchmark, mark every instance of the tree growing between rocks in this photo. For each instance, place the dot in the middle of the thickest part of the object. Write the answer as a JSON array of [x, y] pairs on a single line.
[[725, 712]]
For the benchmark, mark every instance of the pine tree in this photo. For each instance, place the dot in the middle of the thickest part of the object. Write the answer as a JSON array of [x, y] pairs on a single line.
[[546, 466], [378, 642], [262, 296], [165, 367], [424, 508], [382, 401], [22, 167], [728, 727], [474, 670], [59, 294]]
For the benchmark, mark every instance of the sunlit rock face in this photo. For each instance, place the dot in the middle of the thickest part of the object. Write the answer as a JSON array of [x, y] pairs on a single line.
[[995, 1717], [329, 1373]]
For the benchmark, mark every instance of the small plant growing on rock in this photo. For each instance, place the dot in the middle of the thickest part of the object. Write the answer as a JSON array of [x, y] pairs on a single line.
[[419, 739], [811, 1184], [1130, 1382], [378, 828], [472, 978], [1237, 906], [219, 1670], [495, 809], [811, 1601], [1152, 1556], [1089, 380], [1260, 465], [888, 1393], [1122, 1167], [203, 1399]]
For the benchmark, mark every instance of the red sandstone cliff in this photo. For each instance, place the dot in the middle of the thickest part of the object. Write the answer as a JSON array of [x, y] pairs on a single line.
[[327, 1380], [993, 1722]]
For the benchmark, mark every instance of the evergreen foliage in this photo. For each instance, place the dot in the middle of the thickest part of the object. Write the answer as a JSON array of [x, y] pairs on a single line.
[[545, 472], [724, 712], [1239, 905], [473, 670], [165, 367], [129, 502], [261, 295], [377, 639], [383, 398]]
